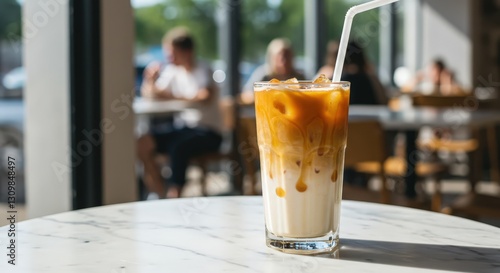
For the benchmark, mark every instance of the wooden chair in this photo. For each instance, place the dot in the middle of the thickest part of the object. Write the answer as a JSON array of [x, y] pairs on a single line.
[[360, 150], [366, 153], [249, 150], [472, 205], [469, 146], [440, 101], [454, 146], [475, 206]]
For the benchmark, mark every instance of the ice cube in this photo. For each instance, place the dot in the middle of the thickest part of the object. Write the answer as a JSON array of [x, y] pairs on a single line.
[[280, 102], [283, 104], [264, 131], [278, 105], [315, 132], [292, 86], [275, 85], [333, 104], [288, 133], [322, 79], [292, 80]]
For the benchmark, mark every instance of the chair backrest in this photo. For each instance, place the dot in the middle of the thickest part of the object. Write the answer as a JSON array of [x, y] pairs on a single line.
[[365, 142], [227, 109], [441, 101], [247, 135], [248, 149]]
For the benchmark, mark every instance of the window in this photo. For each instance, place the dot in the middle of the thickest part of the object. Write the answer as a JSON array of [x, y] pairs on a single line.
[[11, 72], [154, 18], [264, 20], [365, 28], [12, 80]]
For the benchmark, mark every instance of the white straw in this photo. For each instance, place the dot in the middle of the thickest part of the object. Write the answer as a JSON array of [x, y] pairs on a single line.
[[344, 40]]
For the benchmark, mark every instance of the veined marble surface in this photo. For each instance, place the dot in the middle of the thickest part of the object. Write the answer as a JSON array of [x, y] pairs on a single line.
[[226, 234]]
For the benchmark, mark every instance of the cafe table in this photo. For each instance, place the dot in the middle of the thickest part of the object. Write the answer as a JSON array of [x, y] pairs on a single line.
[[226, 234], [146, 109], [410, 120], [413, 119], [157, 108]]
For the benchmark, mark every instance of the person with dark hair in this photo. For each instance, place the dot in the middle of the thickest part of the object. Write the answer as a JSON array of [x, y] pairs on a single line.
[[437, 80], [183, 79], [365, 86], [443, 79]]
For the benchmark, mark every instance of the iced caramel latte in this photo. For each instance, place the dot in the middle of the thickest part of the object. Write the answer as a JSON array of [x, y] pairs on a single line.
[[302, 132]]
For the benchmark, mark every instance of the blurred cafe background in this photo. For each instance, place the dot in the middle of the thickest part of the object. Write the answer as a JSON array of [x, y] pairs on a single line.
[[71, 108]]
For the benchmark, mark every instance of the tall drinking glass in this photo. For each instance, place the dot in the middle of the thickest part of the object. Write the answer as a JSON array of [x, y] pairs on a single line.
[[302, 133]]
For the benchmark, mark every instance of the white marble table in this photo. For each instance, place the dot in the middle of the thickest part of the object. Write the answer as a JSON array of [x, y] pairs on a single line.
[[226, 234]]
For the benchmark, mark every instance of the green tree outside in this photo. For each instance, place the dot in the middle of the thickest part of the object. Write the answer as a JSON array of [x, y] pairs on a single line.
[[365, 28], [153, 22], [10, 20], [261, 22]]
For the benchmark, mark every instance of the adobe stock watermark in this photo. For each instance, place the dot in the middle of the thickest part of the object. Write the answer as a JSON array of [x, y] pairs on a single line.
[[196, 206], [227, 5], [246, 153], [364, 34], [301, 264], [47, 10], [42, 17], [460, 113]]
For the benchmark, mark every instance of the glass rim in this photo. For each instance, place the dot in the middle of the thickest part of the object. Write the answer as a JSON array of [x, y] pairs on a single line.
[[323, 84]]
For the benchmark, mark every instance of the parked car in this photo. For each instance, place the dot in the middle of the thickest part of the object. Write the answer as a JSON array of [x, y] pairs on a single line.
[[12, 83]]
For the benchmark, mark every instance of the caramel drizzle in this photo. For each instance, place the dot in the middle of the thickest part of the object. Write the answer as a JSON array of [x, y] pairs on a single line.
[[323, 149], [328, 133], [280, 192]]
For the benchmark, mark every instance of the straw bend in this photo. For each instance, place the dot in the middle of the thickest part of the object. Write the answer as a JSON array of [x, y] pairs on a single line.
[[347, 29], [367, 6]]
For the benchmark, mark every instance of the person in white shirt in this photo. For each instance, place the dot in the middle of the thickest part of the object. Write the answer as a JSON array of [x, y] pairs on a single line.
[[183, 79]]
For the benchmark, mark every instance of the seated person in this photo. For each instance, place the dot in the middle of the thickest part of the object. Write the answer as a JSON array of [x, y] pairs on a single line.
[[183, 79], [279, 65], [365, 85], [366, 89], [437, 80]]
